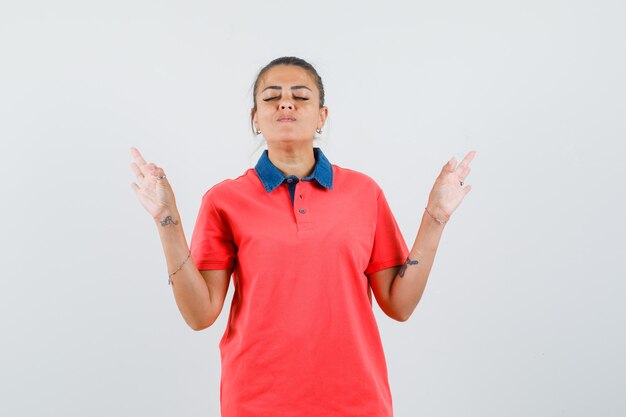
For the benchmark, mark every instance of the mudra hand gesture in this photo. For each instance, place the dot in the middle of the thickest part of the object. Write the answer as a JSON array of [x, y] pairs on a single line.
[[449, 190], [154, 191]]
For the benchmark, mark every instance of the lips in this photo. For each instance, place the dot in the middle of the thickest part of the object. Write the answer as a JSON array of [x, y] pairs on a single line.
[[286, 119]]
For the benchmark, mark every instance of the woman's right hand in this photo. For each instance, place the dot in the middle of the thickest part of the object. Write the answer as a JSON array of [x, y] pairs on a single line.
[[155, 195]]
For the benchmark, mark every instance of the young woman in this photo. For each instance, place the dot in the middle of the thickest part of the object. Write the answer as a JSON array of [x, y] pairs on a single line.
[[307, 242]]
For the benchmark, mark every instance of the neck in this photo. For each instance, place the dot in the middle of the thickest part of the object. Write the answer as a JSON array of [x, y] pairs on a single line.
[[292, 159]]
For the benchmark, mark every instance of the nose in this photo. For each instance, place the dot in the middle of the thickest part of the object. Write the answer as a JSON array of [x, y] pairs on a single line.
[[286, 104]]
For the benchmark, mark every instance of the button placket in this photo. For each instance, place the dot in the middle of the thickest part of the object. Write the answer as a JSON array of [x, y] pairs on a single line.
[[292, 182], [301, 206]]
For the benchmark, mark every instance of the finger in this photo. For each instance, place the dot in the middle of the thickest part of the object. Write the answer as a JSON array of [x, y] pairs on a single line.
[[138, 158], [463, 172], [135, 187], [158, 172], [468, 158], [449, 166], [467, 189], [137, 155], [137, 171], [148, 169]]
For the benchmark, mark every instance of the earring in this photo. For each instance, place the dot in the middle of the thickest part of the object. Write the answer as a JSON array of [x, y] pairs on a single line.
[[319, 131], [258, 132]]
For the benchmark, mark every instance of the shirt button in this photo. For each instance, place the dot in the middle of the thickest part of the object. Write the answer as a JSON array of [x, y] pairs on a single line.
[[290, 180], [302, 211]]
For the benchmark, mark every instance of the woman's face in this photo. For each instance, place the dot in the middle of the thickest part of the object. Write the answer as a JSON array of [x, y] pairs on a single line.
[[288, 106]]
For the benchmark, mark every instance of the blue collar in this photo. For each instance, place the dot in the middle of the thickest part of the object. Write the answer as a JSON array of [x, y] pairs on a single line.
[[272, 177]]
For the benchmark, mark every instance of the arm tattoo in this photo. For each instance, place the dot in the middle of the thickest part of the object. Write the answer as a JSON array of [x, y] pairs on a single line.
[[168, 220], [407, 263]]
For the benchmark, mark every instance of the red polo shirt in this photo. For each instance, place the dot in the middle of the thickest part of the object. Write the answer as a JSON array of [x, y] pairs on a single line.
[[301, 338]]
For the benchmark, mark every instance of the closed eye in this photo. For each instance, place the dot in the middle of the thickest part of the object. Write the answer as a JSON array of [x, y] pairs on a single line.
[[272, 98]]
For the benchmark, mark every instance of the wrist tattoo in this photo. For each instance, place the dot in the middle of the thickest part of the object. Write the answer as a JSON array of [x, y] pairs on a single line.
[[168, 220], [407, 263]]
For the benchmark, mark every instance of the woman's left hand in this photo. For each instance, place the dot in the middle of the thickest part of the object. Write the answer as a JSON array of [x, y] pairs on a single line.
[[450, 188]]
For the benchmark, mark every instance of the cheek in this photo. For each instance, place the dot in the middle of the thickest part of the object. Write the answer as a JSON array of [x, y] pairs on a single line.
[[265, 113]]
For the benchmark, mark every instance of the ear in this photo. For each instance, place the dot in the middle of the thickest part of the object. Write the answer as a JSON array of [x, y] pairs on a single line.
[[323, 116], [255, 119]]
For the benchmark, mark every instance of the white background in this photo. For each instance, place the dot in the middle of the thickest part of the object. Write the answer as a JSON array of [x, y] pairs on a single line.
[[524, 311]]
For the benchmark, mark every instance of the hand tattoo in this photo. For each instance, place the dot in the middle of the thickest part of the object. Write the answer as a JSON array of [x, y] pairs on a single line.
[[168, 220], [407, 263]]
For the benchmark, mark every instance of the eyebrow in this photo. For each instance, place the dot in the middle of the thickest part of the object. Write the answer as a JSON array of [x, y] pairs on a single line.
[[295, 87]]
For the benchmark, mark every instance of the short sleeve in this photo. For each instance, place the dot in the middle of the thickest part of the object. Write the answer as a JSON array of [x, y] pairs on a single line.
[[212, 245], [389, 247]]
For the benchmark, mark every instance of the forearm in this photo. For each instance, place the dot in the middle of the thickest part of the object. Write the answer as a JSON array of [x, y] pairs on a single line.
[[408, 285], [190, 290]]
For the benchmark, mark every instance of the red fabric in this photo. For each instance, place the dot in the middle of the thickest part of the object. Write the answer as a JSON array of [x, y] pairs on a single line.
[[301, 338]]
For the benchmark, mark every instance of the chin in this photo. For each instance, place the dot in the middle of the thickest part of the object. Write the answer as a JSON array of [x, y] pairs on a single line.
[[288, 137]]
